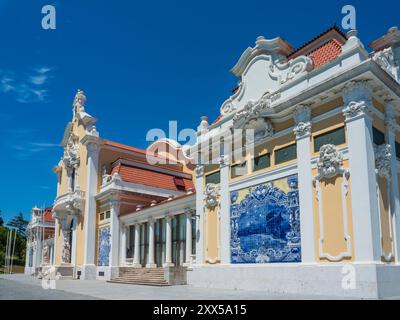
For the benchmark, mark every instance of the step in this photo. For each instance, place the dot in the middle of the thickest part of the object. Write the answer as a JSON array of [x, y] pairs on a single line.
[[143, 283]]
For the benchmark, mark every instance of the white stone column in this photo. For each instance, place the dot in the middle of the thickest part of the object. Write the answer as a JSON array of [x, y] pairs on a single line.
[[168, 242], [302, 130], [114, 231], [123, 237], [89, 268], [225, 212], [357, 105], [150, 260], [390, 122], [136, 253], [200, 213], [188, 242]]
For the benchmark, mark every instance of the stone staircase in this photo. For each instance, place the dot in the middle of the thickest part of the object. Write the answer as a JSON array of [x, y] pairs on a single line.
[[141, 276]]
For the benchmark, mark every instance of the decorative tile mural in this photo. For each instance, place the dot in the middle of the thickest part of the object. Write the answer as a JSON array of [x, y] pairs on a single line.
[[104, 246], [265, 223]]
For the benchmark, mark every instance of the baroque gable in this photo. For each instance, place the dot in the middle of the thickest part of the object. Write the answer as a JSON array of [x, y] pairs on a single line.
[[263, 70]]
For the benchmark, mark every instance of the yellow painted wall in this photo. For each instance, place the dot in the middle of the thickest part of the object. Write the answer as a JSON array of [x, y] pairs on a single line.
[[386, 225], [212, 240], [334, 237]]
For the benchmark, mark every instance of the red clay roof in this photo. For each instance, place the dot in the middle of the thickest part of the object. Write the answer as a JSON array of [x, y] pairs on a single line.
[[124, 147], [150, 178], [48, 215], [326, 53], [335, 31]]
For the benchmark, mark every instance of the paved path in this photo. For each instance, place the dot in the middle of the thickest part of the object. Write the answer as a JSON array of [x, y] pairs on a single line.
[[19, 286]]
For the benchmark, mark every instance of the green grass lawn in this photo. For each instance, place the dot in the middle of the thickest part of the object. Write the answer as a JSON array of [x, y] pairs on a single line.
[[15, 269]]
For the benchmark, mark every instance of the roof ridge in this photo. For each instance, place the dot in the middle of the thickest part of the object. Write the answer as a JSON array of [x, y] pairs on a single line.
[[334, 27]]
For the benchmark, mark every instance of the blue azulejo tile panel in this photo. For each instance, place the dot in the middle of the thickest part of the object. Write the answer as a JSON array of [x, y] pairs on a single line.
[[265, 223], [104, 246]]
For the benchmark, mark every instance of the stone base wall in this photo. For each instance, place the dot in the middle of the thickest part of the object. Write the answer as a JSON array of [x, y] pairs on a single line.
[[371, 280]]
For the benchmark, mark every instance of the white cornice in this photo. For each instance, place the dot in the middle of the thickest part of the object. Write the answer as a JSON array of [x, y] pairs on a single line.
[[167, 208], [276, 46]]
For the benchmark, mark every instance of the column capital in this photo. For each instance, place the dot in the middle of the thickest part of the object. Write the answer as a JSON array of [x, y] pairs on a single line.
[[114, 203], [302, 118], [357, 97], [188, 211], [224, 161], [92, 144], [199, 170]]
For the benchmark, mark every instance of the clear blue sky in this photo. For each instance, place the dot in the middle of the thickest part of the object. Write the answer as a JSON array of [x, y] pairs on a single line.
[[140, 65]]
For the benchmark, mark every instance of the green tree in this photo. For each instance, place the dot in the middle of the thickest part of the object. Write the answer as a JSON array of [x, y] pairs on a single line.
[[1, 220], [19, 223]]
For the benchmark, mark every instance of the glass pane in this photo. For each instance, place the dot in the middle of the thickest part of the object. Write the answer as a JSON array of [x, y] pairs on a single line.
[[378, 136], [286, 154], [262, 162], [335, 137], [213, 178], [397, 150], [239, 170]]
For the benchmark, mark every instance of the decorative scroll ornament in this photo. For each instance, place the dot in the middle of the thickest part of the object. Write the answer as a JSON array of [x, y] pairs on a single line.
[[211, 196], [250, 110], [288, 70], [302, 129], [66, 252], [302, 117], [329, 163], [383, 160], [385, 59], [355, 108], [357, 96], [71, 152]]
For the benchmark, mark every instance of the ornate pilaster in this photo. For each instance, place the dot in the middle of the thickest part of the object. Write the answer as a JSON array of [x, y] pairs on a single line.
[[199, 171], [357, 97], [302, 131], [114, 230], [66, 251], [221, 195], [391, 125], [93, 148], [188, 249], [383, 157]]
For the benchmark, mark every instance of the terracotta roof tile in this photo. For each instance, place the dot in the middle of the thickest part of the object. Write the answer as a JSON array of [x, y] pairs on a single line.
[[150, 178], [326, 53]]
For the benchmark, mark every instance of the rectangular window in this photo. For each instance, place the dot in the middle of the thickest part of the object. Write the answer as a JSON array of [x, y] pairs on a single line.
[[397, 150], [378, 136], [335, 137], [286, 154], [262, 162], [108, 214], [213, 178], [238, 170], [101, 216]]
